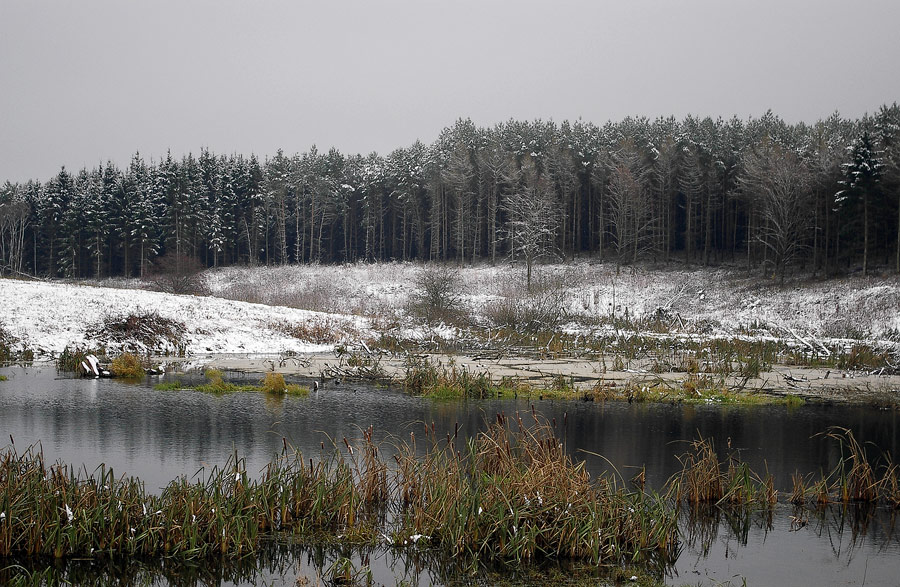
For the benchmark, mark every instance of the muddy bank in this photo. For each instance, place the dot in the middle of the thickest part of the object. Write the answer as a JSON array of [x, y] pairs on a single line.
[[877, 388]]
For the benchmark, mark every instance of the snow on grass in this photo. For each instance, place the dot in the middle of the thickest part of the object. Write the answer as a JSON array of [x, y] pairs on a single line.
[[50, 316], [718, 302]]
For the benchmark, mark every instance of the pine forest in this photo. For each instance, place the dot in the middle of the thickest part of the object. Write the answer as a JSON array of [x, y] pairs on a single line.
[[764, 194]]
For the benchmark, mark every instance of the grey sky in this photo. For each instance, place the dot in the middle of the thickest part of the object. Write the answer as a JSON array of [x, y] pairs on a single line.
[[86, 81]]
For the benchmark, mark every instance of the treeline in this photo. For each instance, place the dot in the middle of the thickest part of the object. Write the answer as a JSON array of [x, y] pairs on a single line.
[[761, 192]]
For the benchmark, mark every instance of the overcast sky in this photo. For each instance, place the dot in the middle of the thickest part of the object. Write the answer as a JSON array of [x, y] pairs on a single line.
[[86, 81]]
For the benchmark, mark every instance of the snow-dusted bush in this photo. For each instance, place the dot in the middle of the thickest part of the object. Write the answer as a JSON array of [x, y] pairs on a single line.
[[544, 307], [178, 274], [436, 298]]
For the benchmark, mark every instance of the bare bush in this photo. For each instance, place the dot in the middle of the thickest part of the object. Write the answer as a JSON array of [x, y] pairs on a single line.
[[178, 274], [141, 332], [542, 308], [437, 295]]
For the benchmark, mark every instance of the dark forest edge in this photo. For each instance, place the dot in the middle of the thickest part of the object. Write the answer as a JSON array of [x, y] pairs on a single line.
[[775, 197]]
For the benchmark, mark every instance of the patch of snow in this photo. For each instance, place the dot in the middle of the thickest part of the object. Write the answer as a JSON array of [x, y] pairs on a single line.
[[50, 316]]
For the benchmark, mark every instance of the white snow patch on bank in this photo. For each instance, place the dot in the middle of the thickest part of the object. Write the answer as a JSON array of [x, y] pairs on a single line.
[[50, 316]]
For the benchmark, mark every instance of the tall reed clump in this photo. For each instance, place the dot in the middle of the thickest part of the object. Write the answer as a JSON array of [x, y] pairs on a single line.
[[71, 358], [704, 479], [855, 478], [57, 511], [514, 493], [423, 377]]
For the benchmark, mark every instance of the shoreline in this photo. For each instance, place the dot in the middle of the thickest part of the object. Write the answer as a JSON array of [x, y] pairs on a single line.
[[818, 385]]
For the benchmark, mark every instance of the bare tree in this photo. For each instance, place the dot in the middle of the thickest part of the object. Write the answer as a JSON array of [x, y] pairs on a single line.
[[533, 219], [13, 222], [630, 205], [779, 181]]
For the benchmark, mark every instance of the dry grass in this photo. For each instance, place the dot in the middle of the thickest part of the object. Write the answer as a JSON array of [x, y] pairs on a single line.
[[511, 493], [128, 366], [319, 331], [704, 479]]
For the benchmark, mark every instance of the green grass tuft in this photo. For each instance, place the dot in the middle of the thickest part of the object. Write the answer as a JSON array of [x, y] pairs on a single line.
[[127, 366]]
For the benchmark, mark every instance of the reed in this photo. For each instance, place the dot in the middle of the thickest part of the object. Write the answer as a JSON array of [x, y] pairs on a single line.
[[889, 486], [429, 378], [71, 358], [510, 493], [800, 490], [704, 479], [514, 493]]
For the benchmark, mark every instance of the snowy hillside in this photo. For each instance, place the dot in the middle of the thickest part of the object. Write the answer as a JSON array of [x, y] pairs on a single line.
[[49, 316], [713, 301], [271, 309]]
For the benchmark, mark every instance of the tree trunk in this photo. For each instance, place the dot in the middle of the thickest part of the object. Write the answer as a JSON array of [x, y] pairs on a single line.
[[707, 236], [688, 248], [865, 234]]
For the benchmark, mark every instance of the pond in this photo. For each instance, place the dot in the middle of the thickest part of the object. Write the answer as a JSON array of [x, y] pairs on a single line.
[[160, 435]]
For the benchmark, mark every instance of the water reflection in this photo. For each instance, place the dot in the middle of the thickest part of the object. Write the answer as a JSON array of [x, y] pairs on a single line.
[[848, 545], [160, 435], [853, 546]]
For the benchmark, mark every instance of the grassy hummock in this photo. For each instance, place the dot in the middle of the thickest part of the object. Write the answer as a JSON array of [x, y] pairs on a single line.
[[272, 384]]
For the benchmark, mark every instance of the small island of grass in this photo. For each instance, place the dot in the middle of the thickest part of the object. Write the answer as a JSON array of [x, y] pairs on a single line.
[[272, 384]]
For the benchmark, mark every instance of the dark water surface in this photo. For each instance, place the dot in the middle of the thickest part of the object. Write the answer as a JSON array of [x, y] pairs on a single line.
[[160, 435]]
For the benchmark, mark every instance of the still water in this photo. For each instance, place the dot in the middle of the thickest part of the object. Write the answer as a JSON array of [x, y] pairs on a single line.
[[160, 435]]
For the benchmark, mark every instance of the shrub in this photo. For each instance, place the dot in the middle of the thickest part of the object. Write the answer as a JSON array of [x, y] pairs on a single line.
[[178, 274], [437, 293], [543, 308], [127, 365]]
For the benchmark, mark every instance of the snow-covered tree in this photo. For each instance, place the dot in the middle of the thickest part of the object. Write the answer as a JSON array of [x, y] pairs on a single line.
[[862, 175], [533, 218]]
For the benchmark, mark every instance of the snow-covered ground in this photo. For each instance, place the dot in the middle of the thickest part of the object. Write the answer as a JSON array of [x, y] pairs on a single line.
[[713, 301], [49, 316], [362, 298]]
